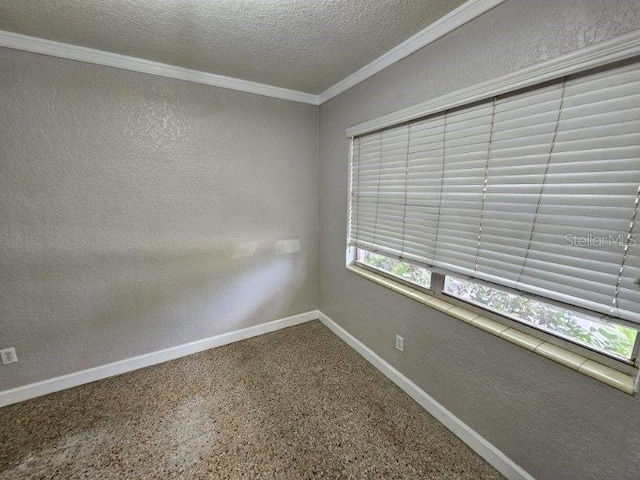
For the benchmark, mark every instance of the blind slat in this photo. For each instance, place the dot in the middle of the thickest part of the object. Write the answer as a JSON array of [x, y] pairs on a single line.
[[535, 190]]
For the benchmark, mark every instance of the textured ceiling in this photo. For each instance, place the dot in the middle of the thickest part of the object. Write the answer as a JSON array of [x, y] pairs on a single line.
[[305, 45]]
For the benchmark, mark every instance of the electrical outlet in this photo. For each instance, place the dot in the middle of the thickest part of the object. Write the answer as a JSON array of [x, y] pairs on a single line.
[[400, 343], [8, 355]]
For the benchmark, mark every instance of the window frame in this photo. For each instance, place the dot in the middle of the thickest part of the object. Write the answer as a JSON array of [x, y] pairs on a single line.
[[436, 290], [618, 49], [563, 340]]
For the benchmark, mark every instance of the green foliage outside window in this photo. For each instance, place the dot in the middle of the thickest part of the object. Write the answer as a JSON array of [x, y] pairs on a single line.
[[599, 334], [604, 336], [418, 275]]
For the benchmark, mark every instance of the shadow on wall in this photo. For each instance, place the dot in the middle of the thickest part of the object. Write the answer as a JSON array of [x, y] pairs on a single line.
[[99, 305]]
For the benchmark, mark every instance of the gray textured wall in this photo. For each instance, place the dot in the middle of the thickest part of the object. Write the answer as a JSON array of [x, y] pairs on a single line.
[[554, 422], [129, 209]]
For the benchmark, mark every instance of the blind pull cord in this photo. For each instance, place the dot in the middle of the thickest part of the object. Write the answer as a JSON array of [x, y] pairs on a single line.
[[375, 224], [627, 243], [406, 187], [444, 156], [544, 181], [486, 180]]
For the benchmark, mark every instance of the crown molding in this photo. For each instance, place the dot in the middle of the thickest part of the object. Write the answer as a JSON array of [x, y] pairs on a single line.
[[89, 55], [609, 51], [456, 18]]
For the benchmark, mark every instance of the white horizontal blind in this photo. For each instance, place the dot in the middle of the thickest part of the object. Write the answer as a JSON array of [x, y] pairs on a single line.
[[536, 190], [466, 148], [589, 192], [395, 190], [522, 134], [379, 190], [424, 176]]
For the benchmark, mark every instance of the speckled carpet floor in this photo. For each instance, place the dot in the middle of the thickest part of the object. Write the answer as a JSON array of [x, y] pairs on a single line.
[[297, 403]]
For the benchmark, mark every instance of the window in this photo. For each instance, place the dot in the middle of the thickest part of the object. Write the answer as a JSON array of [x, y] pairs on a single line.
[[530, 196], [595, 333], [398, 269]]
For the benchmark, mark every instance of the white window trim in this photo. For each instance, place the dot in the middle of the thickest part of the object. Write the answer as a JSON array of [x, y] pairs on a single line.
[[610, 51], [436, 290], [622, 377]]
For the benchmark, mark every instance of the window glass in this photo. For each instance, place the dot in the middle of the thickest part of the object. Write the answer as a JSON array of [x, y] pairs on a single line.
[[597, 333], [406, 271]]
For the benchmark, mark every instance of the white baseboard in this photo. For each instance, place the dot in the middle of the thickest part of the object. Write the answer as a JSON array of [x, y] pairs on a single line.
[[38, 389], [482, 447]]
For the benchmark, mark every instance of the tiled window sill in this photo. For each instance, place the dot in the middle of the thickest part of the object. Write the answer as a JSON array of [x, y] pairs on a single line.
[[586, 366]]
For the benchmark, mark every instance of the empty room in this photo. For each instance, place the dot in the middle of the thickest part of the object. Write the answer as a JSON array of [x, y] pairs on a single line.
[[300, 239]]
